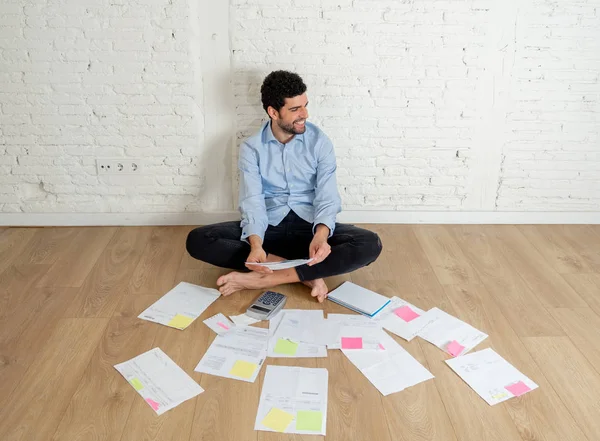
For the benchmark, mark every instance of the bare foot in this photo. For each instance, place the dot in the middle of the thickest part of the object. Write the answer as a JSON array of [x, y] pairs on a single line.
[[318, 289], [235, 281]]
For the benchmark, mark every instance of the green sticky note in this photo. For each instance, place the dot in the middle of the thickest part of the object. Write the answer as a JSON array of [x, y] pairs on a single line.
[[277, 420], [137, 384], [285, 347], [243, 369], [180, 321], [309, 420]]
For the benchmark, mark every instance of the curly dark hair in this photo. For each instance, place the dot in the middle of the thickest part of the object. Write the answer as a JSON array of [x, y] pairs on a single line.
[[278, 86]]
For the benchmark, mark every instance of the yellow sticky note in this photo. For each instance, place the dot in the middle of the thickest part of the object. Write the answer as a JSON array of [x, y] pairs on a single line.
[[137, 384], [277, 420], [243, 369], [180, 321]]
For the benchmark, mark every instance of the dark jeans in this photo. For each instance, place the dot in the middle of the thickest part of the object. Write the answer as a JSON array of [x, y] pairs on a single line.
[[351, 247]]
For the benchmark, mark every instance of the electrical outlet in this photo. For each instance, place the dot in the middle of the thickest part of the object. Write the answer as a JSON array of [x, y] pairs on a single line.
[[118, 166]]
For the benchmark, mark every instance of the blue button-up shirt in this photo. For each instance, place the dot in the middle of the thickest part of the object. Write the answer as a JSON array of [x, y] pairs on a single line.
[[276, 178]]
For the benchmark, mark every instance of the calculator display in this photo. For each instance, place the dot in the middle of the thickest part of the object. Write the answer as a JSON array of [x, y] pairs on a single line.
[[260, 309]]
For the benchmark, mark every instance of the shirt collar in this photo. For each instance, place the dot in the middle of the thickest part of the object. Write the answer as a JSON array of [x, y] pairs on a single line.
[[269, 137]]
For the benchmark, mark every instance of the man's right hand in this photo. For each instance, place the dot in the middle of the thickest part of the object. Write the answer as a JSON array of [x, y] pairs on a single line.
[[258, 255]]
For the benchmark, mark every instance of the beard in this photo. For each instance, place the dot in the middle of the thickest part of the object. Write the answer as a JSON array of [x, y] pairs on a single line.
[[291, 129]]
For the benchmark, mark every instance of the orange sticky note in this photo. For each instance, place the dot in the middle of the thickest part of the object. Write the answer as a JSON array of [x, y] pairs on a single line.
[[454, 348], [517, 389]]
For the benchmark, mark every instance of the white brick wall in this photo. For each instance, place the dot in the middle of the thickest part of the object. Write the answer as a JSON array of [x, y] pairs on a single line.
[[83, 79], [439, 105], [432, 105]]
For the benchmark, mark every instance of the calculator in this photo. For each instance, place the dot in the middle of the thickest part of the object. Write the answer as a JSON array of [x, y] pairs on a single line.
[[267, 305]]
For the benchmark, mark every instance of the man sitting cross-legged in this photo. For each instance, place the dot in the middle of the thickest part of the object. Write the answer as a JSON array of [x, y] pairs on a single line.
[[289, 202]]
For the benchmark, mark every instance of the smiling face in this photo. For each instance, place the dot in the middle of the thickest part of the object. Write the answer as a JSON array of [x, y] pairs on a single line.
[[291, 118]]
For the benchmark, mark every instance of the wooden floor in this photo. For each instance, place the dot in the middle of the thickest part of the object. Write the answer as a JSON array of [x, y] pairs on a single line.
[[69, 298]]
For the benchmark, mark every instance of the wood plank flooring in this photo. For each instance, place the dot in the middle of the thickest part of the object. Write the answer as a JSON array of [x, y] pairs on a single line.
[[69, 300]]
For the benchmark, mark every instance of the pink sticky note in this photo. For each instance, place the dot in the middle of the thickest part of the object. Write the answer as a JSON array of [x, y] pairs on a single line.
[[517, 389], [381, 346], [405, 313], [352, 343], [152, 403], [454, 348], [223, 325]]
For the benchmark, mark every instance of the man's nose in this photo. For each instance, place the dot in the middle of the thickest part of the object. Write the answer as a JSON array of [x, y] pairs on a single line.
[[305, 113]]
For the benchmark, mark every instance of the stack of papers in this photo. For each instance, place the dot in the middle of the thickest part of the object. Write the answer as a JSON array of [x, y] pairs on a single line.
[[450, 334], [158, 380], [491, 376], [237, 354], [293, 334], [358, 299], [181, 306], [293, 400], [391, 368]]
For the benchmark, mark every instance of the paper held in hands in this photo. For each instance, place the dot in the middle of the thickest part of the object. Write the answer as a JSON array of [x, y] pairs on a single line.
[[283, 264]]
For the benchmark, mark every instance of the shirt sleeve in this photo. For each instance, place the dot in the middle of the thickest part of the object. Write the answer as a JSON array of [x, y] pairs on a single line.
[[252, 199], [327, 200]]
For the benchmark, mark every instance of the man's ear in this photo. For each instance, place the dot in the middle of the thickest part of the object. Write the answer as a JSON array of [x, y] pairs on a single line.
[[274, 114]]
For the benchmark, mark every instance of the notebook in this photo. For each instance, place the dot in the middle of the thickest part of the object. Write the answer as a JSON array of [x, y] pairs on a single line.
[[358, 299]]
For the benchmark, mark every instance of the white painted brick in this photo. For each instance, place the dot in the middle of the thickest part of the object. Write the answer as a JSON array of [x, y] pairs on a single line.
[[389, 82]]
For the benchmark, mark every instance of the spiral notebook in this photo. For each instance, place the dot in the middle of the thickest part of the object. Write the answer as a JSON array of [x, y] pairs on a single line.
[[358, 299]]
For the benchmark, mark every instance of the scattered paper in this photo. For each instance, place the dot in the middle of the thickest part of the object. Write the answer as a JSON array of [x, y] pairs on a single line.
[[180, 306], [293, 400], [219, 323], [284, 264], [281, 329], [158, 380], [243, 320], [449, 333], [402, 318], [347, 325], [299, 325], [390, 370], [237, 354], [491, 376]]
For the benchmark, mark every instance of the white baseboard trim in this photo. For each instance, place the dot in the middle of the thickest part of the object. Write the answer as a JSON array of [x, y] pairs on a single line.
[[359, 217]]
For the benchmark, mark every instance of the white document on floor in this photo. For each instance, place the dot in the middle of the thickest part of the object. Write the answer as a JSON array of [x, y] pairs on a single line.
[[237, 354], [293, 400], [491, 376], [180, 306], [158, 380]]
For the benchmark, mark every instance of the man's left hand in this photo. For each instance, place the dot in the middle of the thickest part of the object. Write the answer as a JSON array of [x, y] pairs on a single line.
[[319, 249]]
